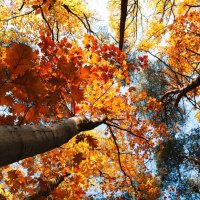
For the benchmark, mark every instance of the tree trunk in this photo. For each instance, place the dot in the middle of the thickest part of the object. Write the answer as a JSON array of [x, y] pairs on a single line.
[[124, 7], [19, 142]]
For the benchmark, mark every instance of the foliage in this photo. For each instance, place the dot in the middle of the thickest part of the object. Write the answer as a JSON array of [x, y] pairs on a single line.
[[53, 66]]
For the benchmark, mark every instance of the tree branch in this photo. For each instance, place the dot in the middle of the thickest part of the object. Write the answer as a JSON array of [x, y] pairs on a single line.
[[192, 6], [192, 159], [118, 151], [183, 91], [21, 7], [50, 186], [111, 124], [119, 160], [84, 24], [43, 16], [27, 13], [89, 27]]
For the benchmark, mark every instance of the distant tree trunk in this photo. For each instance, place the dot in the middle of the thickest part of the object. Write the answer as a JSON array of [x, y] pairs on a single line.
[[19, 142], [124, 8]]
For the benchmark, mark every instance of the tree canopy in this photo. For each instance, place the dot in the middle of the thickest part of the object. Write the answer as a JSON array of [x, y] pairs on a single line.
[[62, 74]]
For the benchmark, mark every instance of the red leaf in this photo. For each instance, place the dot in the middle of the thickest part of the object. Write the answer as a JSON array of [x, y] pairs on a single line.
[[9, 120]]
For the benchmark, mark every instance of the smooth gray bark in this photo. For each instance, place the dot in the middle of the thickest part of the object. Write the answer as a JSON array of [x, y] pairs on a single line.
[[19, 142]]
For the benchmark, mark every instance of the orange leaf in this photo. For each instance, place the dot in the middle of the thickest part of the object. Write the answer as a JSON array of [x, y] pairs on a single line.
[[92, 141], [31, 115], [31, 84], [84, 73], [19, 58], [76, 93], [18, 108], [6, 100], [67, 68]]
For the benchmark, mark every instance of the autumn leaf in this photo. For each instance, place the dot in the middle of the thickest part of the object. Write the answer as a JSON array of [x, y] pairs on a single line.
[[92, 141], [84, 73], [31, 84], [67, 68], [9, 120], [12, 175], [59, 193], [6, 100], [80, 138], [76, 94], [18, 108], [93, 79], [78, 158], [87, 138], [19, 58]]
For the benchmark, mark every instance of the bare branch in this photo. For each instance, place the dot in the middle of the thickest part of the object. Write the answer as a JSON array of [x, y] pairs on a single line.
[[119, 160], [192, 6], [194, 84], [192, 159], [118, 151], [21, 7], [88, 24], [84, 24], [168, 66], [183, 91], [43, 16], [118, 127]]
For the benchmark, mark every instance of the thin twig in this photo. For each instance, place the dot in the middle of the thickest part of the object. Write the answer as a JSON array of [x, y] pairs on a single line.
[[24, 116], [103, 93], [119, 160], [70, 11], [88, 24], [27, 13], [118, 152], [43, 16], [123, 129], [21, 7]]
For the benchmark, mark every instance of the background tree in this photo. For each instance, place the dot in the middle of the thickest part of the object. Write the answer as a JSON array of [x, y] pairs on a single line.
[[176, 161]]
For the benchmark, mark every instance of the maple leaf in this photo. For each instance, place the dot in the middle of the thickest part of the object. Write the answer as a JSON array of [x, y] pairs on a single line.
[[77, 94], [31, 84], [93, 142], [19, 58], [84, 73], [9, 120], [78, 158], [60, 193], [80, 138], [88, 138], [12, 174], [6, 100], [67, 68], [67, 73], [18, 108]]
